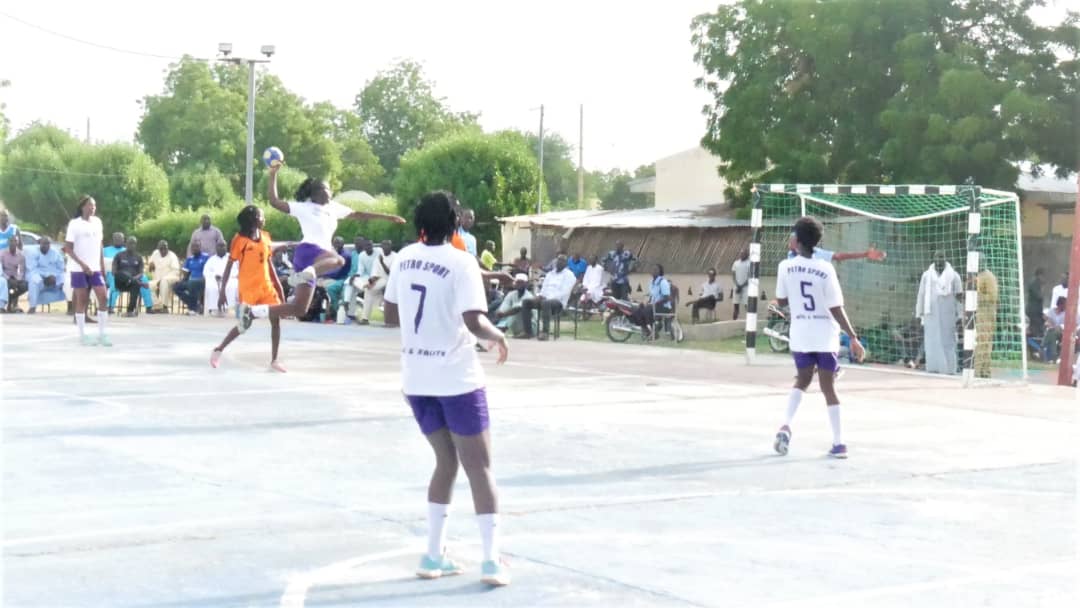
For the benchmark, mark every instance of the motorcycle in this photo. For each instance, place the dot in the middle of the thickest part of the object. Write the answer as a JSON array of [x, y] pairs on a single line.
[[777, 328], [619, 327]]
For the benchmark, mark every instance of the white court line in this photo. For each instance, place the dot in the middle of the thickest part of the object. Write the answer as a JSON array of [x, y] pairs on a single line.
[[297, 588], [40, 340], [119, 410], [149, 529]]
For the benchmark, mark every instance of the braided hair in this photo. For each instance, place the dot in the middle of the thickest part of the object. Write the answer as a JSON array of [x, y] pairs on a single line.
[[86, 198], [435, 218], [303, 193], [248, 218]]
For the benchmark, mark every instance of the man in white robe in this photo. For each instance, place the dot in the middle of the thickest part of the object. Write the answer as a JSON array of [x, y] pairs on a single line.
[[938, 308]]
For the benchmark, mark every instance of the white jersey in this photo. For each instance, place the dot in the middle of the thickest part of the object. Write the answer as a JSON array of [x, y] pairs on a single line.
[[85, 237], [318, 222], [811, 289], [433, 287]]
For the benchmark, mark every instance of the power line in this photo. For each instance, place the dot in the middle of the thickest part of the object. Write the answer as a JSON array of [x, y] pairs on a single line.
[[92, 43], [17, 168]]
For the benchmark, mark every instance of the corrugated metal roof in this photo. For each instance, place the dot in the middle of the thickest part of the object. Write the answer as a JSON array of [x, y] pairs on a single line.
[[705, 217]]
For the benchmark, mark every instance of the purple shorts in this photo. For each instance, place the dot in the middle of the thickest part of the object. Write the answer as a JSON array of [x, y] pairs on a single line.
[[824, 361], [305, 255], [81, 280], [463, 414]]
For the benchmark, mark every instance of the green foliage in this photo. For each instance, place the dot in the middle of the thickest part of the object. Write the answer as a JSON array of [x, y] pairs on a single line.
[[619, 196], [176, 226], [400, 112], [47, 170], [4, 122], [890, 91], [197, 185], [288, 180], [495, 175], [560, 173], [199, 122]]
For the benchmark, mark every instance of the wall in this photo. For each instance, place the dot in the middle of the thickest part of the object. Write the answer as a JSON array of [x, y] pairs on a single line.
[[688, 179]]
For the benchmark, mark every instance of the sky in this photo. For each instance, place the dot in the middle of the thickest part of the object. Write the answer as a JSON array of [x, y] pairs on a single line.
[[630, 64]]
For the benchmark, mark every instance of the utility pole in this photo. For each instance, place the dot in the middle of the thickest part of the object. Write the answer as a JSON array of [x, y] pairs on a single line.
[[225, 49], [88, 130], [581, 158], [540, 187]]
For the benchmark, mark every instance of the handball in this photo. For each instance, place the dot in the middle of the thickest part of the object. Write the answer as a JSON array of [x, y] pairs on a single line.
[[273, 157]]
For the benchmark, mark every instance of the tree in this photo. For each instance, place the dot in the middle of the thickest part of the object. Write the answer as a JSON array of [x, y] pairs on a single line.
[[493, 175], [4, 122], [360, 168], [400, 112], [47, 170], [891, 91], [560, 173], [619, 195], [197, 186]]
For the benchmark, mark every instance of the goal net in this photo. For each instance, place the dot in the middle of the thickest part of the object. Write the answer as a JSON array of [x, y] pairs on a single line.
[[977, 230]]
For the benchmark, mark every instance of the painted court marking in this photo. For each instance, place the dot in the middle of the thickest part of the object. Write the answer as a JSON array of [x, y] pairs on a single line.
[[298, 584]]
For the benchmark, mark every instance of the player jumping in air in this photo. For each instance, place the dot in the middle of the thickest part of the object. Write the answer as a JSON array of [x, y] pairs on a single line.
[[258, 283], [318, 215], [810, 286], [439, 294]]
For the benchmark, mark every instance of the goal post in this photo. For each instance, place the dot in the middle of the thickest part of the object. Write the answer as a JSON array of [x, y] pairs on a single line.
[[977, 230]]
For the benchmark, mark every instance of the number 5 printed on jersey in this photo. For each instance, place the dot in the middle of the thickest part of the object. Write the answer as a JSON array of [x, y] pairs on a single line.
[[419, 309], [808, 303]]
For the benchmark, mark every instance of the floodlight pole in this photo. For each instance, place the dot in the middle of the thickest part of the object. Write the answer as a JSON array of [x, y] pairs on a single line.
[[225, 49]]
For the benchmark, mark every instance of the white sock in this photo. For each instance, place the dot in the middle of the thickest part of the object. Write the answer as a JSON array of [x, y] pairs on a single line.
[[436, 519], [489, 535], [102, 316], [834, 421], [260, 311], [80, 320], [793, 401]]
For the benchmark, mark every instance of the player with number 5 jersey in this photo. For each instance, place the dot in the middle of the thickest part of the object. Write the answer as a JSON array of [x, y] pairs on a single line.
[[810, 287], [438, 294]]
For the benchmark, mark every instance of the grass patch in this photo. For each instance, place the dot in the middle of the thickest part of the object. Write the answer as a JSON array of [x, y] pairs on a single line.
[[593, 331]]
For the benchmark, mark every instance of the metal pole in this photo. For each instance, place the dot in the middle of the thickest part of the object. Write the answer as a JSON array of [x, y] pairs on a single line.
[[540, 187], [756, 224], [1067, 339], [249, 176], [971, 293], [1020, 273], [581, 158]]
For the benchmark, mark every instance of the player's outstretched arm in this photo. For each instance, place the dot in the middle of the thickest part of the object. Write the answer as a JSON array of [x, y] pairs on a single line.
[[271, 191], [367, 215], [481, 327], [841, 317], [873, 254]]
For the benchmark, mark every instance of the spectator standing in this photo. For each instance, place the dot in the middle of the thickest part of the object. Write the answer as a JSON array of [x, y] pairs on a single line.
[[166, 268], [487, 257], [13, 277], [577, 265], [937, 307], [620, 263], [9, 232], [207, 236], [365, 278], [1061, 290], [468, 219], [740, 275], [593, 282], [1033, 300], [522, 265], [380, 274]]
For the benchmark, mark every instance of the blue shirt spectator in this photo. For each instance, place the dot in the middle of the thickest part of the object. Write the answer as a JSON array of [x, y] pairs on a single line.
[[660, 289], [620, 263], [194, 265], [577, 265]]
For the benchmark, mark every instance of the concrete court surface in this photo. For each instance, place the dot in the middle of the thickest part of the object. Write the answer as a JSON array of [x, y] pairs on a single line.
[[629, 475]]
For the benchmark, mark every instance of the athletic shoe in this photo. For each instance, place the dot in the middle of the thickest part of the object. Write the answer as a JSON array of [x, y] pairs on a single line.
[[435, 568], [245, 318], [215, 358], [783, 438], [302, 277], [494, 573], [838, 451], [104, 341], [89, 341]]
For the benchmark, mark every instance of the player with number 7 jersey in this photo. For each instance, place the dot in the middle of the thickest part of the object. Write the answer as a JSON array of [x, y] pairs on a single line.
[[439, 297]]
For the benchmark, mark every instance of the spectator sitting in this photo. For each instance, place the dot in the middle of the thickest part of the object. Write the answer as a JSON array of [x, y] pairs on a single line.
[[13, 277], [522, 265], [487, 257], [554, 294], [190, 288], [1061, 290], [283, 268], [336, 283], [593, 282], [511, 314], [166, 268], [380, 274], [494, 298], [45, 273], [127, 271], [577, 265], [347, 289], [207, 236], [659, 302], [620, 263], [365, 276], [1055, 325], [212, 273], [109, 254], [710, 295]]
